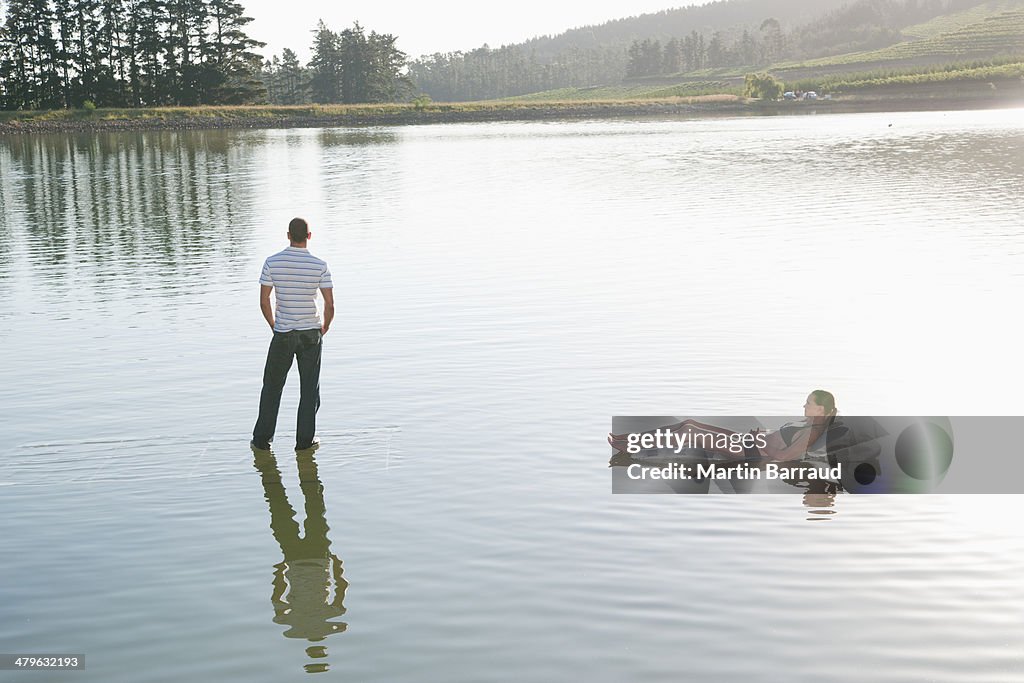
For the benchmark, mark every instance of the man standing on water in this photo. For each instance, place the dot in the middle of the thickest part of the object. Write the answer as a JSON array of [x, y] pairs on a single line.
[[298, 333]]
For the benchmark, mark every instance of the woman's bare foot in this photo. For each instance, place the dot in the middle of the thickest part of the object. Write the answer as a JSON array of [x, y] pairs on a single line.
[[618, 442]]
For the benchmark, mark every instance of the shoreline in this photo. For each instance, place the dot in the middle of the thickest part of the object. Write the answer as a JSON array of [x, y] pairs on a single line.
[[329, 116]]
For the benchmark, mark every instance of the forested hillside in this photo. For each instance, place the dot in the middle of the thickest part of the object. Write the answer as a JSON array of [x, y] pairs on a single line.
[[723, 38]]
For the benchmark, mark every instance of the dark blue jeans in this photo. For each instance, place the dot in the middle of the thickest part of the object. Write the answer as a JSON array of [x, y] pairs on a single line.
[[306, 347]]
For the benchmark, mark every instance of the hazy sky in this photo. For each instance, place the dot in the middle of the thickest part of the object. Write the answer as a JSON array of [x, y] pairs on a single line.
[[439, 26]]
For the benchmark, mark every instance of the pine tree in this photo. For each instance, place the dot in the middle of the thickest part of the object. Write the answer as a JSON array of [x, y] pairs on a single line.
[[70, 83], [294, 81], [150, 47], [355, 65], [772, 43], [13, 62], [45, 56], [186, 47], [4, 59], [269, 75], [325, 66], [716, 50], [673, 57], [84, 59], [110, 47], [747, 49], [234, 62]]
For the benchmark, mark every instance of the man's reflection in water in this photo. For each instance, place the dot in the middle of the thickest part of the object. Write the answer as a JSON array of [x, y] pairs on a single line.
[[304, 581]]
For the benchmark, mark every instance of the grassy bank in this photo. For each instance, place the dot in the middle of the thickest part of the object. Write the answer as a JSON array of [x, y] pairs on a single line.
[[181, 118], [979, 88]]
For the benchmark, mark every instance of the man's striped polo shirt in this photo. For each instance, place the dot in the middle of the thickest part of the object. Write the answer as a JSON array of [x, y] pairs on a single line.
[[296, 276]]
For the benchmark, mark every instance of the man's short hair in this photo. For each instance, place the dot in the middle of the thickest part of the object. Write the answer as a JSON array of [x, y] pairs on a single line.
[[298, 230]]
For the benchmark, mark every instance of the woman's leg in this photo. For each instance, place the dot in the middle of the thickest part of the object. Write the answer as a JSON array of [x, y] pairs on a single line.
[[620, 441], [690, 427], [703, 427]]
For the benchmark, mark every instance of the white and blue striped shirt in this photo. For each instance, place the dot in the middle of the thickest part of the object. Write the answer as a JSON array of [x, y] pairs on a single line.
[[296, 276]]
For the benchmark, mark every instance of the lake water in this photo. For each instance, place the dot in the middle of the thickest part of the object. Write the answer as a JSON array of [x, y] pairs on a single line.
[[503, 289]]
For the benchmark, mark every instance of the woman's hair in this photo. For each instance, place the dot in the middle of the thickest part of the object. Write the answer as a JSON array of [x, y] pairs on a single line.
[[824, 399]]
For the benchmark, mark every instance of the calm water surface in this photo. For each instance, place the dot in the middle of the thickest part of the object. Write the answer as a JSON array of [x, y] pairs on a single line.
[[503, 289]]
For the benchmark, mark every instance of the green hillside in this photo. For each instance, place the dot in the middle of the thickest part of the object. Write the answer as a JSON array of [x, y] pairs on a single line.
[[981, 77], [632, 92], [957, 20], [987, 52], [997, 35], [977, 77]]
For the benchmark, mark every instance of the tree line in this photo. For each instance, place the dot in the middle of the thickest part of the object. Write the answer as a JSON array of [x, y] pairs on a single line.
[[126, 53], [350, 66], [694, 52], [858, 26], [487, 73], [61, 54]]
